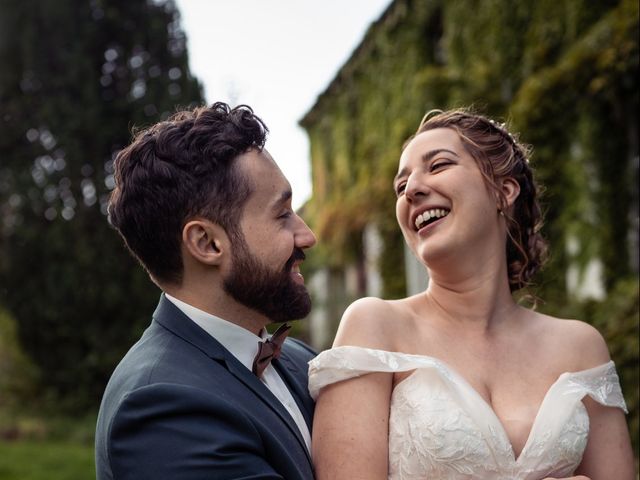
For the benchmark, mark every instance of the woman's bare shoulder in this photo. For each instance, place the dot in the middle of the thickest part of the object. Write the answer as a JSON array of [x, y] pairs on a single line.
[[578, 344], [371, 322]]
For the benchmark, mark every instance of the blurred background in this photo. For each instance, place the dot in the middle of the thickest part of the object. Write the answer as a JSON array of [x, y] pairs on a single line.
[[76, 76]]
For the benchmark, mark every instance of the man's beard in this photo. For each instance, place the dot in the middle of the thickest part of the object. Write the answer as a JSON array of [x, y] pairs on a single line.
[[273, 293]]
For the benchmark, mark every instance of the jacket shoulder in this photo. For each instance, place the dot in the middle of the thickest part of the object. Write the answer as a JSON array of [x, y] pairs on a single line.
[[299, 349]]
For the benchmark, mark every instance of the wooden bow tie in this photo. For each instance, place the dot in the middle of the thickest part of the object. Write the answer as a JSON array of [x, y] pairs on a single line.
[[269, 349]]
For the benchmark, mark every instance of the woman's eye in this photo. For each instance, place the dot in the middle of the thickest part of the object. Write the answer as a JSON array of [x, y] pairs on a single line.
[[438, 165], [400, 188]]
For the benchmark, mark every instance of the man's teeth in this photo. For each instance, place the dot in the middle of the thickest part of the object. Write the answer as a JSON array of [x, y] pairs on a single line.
[[429, 214]]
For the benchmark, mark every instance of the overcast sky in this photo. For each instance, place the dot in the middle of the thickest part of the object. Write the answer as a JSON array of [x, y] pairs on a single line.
[[276, 56]]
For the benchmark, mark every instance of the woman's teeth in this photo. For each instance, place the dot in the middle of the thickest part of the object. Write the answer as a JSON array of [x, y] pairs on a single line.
[[434, 213]]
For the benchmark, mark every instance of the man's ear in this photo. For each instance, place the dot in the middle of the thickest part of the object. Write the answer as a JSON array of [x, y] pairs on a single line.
[[206, 242], [510, 189]]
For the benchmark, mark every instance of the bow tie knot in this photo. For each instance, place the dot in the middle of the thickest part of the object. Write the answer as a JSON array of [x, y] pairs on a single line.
[[269, 349]]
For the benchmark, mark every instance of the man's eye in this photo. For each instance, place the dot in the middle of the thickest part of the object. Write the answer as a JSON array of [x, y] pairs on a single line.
[[286, 214]]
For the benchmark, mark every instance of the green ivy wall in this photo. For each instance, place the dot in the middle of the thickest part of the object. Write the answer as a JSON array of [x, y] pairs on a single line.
[[563, 73]]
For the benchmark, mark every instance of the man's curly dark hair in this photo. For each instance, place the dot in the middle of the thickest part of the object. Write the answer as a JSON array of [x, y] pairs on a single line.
[[179, 169]]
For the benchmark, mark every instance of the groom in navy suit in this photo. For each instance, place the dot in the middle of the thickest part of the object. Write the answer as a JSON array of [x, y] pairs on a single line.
[[206, 393]]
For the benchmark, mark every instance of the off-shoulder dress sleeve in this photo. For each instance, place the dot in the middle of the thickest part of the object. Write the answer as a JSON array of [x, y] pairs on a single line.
[[601, 383], [343, 363]]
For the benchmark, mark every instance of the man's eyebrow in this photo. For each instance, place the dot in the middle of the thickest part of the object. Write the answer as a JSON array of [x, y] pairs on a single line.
[[284, 197], [425, 158]]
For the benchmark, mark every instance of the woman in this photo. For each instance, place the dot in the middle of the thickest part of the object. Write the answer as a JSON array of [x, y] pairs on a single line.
[[460, 382]]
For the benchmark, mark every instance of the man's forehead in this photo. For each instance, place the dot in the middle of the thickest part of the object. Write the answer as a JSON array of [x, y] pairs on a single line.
[[268, 181]]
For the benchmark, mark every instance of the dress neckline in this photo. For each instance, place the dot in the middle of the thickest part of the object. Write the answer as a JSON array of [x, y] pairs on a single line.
[[451, 373]]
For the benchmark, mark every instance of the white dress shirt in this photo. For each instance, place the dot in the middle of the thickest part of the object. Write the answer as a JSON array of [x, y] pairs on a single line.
[[243, 345]]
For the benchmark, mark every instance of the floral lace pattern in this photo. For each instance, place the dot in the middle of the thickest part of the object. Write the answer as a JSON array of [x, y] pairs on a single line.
[[439, 426]]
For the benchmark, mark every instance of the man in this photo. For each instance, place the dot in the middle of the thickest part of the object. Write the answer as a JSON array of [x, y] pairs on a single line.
[[207, 212]]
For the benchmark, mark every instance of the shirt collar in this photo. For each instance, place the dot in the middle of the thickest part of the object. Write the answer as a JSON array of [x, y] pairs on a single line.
[[242, 343]]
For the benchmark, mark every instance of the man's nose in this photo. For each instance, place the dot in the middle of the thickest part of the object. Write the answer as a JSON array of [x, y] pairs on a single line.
[[305, 238]]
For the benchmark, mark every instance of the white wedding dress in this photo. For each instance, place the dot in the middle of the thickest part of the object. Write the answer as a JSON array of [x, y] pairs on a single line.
[[440, 428]]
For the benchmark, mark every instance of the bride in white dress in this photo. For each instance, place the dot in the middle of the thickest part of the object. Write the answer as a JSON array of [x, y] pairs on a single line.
[[460, 382]]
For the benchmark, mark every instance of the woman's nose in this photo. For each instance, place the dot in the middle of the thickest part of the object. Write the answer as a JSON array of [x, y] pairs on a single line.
[[415, 188]]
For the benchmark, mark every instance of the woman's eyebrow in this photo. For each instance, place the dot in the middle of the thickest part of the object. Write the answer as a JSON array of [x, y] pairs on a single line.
[[425, 158]]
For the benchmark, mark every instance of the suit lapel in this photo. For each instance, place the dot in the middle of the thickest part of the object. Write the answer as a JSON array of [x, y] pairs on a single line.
[[297, 385], [260, 389], [172, 318]]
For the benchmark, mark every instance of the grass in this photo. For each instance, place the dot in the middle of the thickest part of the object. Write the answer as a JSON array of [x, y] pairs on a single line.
[[46, 446], [46, 460]]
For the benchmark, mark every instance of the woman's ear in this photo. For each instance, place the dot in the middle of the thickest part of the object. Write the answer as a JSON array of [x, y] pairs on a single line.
[[510, 189], [205, 241]]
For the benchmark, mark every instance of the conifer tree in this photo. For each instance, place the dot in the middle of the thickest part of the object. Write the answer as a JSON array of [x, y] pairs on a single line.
[[76, 76]]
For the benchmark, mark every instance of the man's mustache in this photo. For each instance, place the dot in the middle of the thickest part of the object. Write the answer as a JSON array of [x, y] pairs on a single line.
[[298, 254]]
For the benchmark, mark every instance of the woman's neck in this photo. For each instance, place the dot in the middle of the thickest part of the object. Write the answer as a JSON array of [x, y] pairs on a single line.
[[480, 299]]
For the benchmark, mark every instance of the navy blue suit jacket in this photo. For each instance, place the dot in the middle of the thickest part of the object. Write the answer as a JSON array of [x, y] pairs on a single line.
[[180, 406]]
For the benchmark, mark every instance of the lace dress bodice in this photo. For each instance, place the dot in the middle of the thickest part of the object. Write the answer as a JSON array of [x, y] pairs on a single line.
[[441, 428]]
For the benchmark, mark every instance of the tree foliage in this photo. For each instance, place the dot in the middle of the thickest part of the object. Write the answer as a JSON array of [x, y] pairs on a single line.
[[76, 76]]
